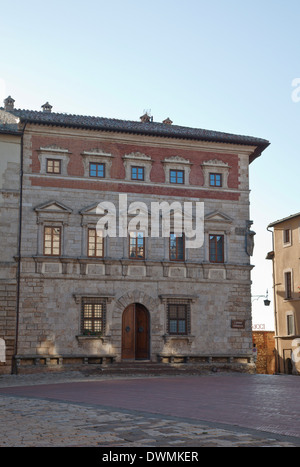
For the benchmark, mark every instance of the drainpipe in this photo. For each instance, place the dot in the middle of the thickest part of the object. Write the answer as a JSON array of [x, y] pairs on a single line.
[[275, 310], [14, 366]]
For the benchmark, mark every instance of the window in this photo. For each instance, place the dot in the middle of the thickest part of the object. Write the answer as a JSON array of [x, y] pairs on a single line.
[[95, 244], [288, 285], [176, 247], [177, 176], [137, 245], [290, 325], [52, 241], [53, 166], [93, 316], [286, 236], [216, 248], [215, 179], [177, 319], [97, 170], [137, 173]]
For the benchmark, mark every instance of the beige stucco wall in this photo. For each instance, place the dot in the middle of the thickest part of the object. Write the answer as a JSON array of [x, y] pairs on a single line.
[[286, 259]]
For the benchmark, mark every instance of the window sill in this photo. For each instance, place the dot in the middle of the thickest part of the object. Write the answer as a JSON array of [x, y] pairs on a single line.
[[178, 337], [86, 337]]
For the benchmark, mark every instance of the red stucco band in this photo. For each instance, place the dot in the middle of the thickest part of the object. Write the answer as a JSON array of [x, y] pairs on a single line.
[[126, 188]]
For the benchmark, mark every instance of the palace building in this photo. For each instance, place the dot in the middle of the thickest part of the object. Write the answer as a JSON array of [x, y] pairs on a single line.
[[285, 257], [71, 295]]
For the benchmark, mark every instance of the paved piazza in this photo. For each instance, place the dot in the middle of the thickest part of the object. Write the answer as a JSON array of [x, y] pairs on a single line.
[[217, 410]]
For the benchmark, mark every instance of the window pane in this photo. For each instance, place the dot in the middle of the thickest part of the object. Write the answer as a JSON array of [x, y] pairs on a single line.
[[220, 248], [179, 177], [98, 310], [97, 326], [100, 172], [172, 176], [180, 248], [173, 326], [172, 246], [93, 170], [181, 326]]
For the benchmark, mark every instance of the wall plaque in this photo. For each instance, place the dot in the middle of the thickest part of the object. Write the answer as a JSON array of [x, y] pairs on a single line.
[[238, 323]]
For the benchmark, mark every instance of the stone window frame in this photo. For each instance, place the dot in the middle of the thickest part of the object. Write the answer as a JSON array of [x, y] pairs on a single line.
[[138, 258], [187, 318], [93, 301], [222, 235], [105, 298], [54, 167], [95, 256], [177, 163], [288, 281], [137, 159], [218, 167], [52, 227], [287, 242], [217, 223], [137, 177], [52, 214], [97, 156], [180, 299], [290, 314], [178, 238], [57, 153]]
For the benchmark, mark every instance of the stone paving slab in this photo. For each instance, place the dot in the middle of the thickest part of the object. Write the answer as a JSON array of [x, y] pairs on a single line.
[[41, 421], [37, 423]]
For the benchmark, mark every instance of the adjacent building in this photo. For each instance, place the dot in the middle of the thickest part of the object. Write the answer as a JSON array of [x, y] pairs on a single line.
[[84, 297], [286, 278]]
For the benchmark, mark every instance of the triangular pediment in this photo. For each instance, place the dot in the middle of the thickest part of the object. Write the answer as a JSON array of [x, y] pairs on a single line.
[[53, 206], [93, 209], [218, 216]]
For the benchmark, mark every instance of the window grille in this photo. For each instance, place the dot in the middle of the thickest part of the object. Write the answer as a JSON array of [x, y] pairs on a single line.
[[93, 316]]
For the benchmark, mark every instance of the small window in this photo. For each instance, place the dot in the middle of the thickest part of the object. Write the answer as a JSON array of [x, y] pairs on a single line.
[[216, 248], [176, 247], [288, 285], [177, 319], [95, 244], [137, 173], [215, 180], [52, 241], [93, 316], [136, 245], [290, 325], [177, 176], [97, 170], [53, 166], [286, 236]]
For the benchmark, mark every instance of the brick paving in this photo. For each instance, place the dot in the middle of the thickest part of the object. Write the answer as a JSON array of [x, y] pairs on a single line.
[[224, 410]]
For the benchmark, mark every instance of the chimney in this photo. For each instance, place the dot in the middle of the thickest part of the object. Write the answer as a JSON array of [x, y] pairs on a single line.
[[146, 118], [9, 103], [47, 107], [167, 121]]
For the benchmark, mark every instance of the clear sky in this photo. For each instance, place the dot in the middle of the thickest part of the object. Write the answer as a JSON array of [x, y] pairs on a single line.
[[222, 65]]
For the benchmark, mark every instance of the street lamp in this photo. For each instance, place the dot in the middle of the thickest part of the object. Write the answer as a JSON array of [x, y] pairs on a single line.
[[266, 300]]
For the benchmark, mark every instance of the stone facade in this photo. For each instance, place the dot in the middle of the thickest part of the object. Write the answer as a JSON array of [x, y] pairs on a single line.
[[57, 289], [10, 145]]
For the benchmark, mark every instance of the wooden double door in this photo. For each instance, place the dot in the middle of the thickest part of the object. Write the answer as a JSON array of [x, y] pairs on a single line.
[[135, 333]]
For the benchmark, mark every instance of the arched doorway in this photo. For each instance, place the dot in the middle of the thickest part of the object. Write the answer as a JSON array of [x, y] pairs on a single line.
[[135, 333]]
